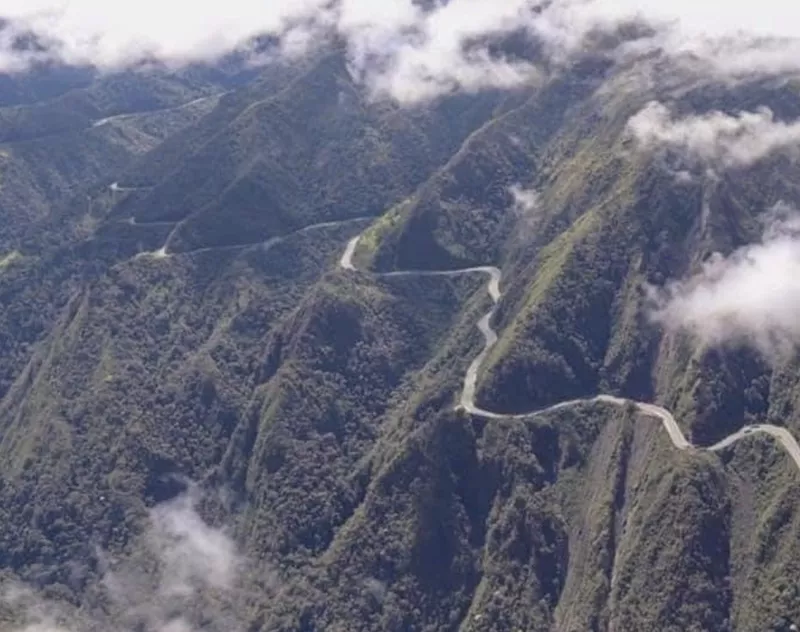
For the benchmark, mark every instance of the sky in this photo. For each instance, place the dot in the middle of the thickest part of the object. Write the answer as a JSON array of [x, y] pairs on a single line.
[[398, 49]]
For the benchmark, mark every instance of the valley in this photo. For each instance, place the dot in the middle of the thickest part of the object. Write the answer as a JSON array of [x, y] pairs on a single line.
[[343, 339], [467, 399]]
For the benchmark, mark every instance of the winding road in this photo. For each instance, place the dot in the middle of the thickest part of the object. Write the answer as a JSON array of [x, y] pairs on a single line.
[[114, 186], [467, 399], [131, 221], [163, 252], [127, 115]]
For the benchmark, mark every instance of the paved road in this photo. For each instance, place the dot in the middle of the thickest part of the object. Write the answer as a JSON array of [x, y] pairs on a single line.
[[114, 186], [346, 262], [131, 221], [467, 399], [127, 115], [163, 252]]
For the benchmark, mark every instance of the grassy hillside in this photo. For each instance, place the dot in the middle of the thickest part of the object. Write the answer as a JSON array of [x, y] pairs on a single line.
[[160, 333], [315, 151]]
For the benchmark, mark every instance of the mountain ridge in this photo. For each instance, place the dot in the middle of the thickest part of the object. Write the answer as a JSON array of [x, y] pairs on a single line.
[[281, 303]]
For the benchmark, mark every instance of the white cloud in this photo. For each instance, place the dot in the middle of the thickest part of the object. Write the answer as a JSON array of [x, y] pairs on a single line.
[[732, 38], [192, 553], [526, 201], [434, 56], [112, 34], [39, 616], [186, 569], [750, 297], [716, 139], [396, 46], [526, 204]]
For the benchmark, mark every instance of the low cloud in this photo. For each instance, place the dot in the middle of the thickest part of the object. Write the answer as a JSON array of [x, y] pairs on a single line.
[[113, 35], [405, 49], [526, 201], [716, 139], [395, 47], [192, 553], [713, 36], [412, 55], [39, 616], [185, 577], [525, 206], [751, 297]]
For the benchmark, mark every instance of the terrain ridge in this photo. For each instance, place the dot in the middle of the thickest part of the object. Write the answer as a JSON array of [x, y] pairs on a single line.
[[467, 398]]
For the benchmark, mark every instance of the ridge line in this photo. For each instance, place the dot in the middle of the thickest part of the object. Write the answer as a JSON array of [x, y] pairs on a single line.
[[467, 399]]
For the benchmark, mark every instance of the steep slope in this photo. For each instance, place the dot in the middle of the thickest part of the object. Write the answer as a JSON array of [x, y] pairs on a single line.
[[174, 304], [41, 170], [314, 151], [104, 348], [572, 323]]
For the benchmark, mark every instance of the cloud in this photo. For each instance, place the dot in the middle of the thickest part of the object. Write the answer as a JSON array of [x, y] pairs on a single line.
[[525, 200], [39, 616], [186, 570], [398, 47], [525, 207], [395, 46], [116, 34], [425, 54], [192, 553], [716, 139], [732, 39], [751, 297]]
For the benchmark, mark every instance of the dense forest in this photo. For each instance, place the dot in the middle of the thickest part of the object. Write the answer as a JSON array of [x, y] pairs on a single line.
[[206, 422]]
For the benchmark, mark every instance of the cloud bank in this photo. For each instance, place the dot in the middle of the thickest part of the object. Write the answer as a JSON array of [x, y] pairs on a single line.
[[716, 139], [192, 553], [398, 48], [751, 297], [724, 38], [405, 49], [186, 572], [526, 201]]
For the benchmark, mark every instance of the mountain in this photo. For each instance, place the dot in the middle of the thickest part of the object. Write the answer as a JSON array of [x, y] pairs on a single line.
[[185, 309]]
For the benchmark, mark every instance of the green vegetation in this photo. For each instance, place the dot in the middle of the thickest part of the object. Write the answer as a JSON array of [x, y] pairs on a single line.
[[378, 231], [315, 406], [550, 265]]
